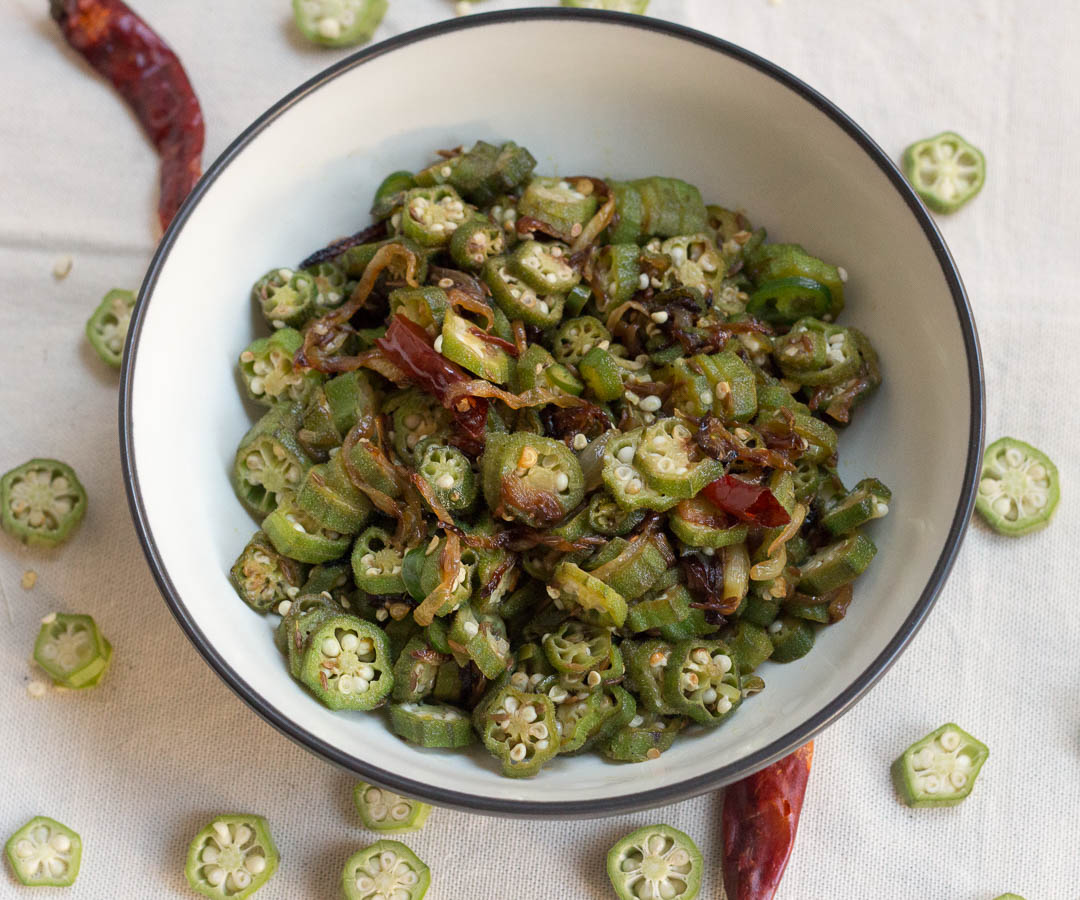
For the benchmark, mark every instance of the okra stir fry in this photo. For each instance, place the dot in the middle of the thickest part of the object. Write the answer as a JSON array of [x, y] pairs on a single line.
[[549, 463]]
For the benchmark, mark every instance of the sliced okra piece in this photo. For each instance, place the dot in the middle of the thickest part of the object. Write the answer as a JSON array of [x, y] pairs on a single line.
[[532, 667], [634, 566], [537, 368], [431, 724], [450, 475], [606, 517], [656, 861], [430, 216], [339, 23], [270, 462], [940, 769], [426, 306], [543, 267], [332, 578], [332, 409], [773, 395], [44, 853], [813, 612], [784, 301], [483, 640], [836, 565], [265, 578], [602, 374], [386, 812], [808, 478], [695, 262], [107, 327], [616, 274], [646, 736], [385, 869], [267, 370], [664, 457], [665, 207], [347, 663], [701, 681], [610, 671], [452, 684], [698, 523], [577, 647], [695, 625], [576, 299], [430, 578], [390, 194], [519, 729], [732, 384], [815, 353], [475, 242], [1008, 897], [770, 262], [41, 502], [518, 300], [820, 439], [331, 286], [760, 609], [329, 498], [71, 649], [658, 609], [304, 615], [1018, 488], [691, 391], [576, 718], [558, 202], [792, 638], [416, 669], [838, 400], [463, 343], [646, 667], [286, 297], [296, 535], [364, 458], [623, 709], [868, 500], [625, 481], [576, 337], [945, 170], [417, 416], [377, 563], [536, 480], [232, 857], [750, 646], [594, 601], [487, 171]]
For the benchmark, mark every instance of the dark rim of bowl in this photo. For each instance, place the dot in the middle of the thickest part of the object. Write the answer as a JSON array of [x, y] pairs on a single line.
[[623, 803]]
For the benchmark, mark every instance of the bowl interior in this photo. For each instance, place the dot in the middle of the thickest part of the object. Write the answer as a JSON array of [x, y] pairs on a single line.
[[615, 99]]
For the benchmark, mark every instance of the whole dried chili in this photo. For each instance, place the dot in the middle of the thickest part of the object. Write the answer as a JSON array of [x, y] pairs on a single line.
[[748, 502], [759, 823], [149, 76]]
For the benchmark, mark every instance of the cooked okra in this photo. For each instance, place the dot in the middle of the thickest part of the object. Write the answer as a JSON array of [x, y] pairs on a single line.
[[107, 327], [41, 502], [44, 853], [232, 857], [940, 769], [547, 465]]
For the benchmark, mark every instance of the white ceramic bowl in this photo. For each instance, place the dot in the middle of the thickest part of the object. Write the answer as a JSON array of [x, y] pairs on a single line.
[[603, 94]]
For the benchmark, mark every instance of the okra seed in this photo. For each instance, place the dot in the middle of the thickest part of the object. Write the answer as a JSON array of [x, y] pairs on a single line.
[[222, 832], [709, 697], [471, 629], [950, 740], [580, 441], [659, 317], [931, 784], [650, 404], [24, 849], [643, 281], [701, 655], [634, 487], [518, 752], [776, 627], [958, 779], [706, 398], [842, 272], [510, 704], [562, 482], [445, 171], [349, 642], [654, 753], [330, 647], [215, 875], [593, 679], [240, 879], [255, 864], [543, 307], [366, 673], [723, 705]]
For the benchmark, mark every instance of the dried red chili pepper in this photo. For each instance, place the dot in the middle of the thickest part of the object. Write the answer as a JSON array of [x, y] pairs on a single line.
[[408, 346], [753, 503], [149, 76], [758, 825]]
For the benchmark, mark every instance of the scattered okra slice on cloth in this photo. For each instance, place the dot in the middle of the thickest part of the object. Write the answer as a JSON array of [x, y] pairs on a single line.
[[72, 650], [41, 502], [107, 327], [387, 869], [44, 853], [655, 862], [389, 813], [232, 857], [627, 6], [940, 769], [1019, 488], [339, 23], [945, 170]]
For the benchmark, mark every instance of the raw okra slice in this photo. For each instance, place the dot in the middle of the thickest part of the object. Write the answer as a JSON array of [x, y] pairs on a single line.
[[41, 502], [701, 680], [418, 416], [519, 729], [868, 500], [232, 857], [626, 6], [940, 769], [517, 299], [339, 23], [592, 599], [558, 202], [792, 638], [475, 242], [431, 724], [655, 861], [416, 669], [462, 342], [298, 536], [577, 647], [330, 499], [270, 461], [646, 736], [377, 563], [107, 327], [945, 170], [646, 667], [347, 663], [536, 480], [390, 194], [386, 869], [770, 262], [625, 481], [286, 297], [543, 267], [266, 367], [44, 853], [1009, 897], [386, 812], [836, 565], [784, 301], [71, 649], [265, 578], [576, 337], [606, 517], [664, 457], [1018, 488], [450, 475], [431, 215]]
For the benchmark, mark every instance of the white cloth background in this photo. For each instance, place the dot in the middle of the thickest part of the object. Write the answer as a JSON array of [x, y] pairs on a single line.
[[140, 763]]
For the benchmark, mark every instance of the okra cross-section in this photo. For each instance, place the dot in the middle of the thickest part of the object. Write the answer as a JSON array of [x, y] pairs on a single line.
[[339, 23], [945, 170], [1018, 488], [232, 857], [44, 853], [655, 862], [347, 663], [107, 327], [266, 367], [72, 650], [701, 680], [940, 769], [265, 578], [386, 812], [625, 479], [664, 457], [519, 728], [536, 480], [286, 297], [520, 301], [41, 502], [431, 724], [432, 215], [387, 870], [270, 462]]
